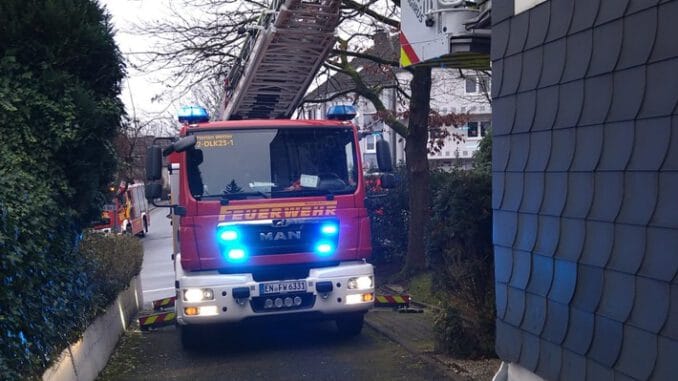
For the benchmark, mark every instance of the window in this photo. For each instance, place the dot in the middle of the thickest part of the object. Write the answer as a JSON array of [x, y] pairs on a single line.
[[477, 129], [471, 84], [484, 126], [477, 84], [472, 129], [484, 84], [370, 161], [370, 144]]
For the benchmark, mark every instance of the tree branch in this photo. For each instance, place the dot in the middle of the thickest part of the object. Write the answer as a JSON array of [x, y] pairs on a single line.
[[364, 8]]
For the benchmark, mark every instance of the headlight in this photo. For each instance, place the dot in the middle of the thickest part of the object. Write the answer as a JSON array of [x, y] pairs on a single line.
[[194, 295], [360, 283]]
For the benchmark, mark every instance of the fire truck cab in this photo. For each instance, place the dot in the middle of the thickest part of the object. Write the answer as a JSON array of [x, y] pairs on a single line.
[[269, 221]]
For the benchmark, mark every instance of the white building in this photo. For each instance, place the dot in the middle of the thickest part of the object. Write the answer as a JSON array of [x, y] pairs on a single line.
[[453, 92]]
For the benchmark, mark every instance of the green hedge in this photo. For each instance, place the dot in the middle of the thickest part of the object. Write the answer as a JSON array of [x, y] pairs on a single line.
[[60, 74], [459, 251], [46, 308], [461, 258], [389, 217], [113, 261]]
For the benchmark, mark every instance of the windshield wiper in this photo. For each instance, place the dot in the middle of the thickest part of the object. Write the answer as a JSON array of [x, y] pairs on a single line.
[[310, 192], [225, 197]]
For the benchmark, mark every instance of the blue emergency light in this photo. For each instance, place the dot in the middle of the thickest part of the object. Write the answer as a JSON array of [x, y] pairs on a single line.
[[341, 112], [193, 115]]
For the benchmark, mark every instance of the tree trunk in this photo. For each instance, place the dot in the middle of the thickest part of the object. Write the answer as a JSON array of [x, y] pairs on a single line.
[[416, 154]]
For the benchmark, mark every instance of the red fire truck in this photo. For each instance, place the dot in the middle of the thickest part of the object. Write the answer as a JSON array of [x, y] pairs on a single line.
[[126, 212], [269, 221]]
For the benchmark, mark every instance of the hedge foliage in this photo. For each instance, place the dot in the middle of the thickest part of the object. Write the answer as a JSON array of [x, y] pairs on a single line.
[[459, 251], [389, 217], [60, 75], [113, 260], [461, 256]]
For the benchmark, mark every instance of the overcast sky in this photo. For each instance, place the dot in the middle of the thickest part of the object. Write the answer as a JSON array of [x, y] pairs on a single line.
[[139, 88]]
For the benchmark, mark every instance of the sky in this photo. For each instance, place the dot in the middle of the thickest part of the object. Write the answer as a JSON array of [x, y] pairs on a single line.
[[138, 88]]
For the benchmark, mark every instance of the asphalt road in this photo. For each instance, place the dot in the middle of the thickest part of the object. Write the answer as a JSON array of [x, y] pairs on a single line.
[[157, 271], [282, 351]]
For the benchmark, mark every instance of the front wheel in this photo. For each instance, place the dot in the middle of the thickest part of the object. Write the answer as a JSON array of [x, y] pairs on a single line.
[[144, 229], [350, 325]]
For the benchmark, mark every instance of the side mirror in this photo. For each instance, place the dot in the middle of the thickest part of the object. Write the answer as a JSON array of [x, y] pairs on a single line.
[[388, 181], [153, 163], [185, 143], [153, 191], [384, 156]]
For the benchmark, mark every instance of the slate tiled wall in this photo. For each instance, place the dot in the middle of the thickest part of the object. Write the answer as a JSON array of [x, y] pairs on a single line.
[[585, 162]]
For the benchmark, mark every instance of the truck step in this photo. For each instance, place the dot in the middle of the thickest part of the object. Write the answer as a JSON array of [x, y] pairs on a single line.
[[157, 320], [164, 304], [391, 300]]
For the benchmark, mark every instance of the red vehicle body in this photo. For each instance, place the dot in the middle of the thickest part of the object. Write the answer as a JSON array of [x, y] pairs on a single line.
[[127, 211], [271, 222]]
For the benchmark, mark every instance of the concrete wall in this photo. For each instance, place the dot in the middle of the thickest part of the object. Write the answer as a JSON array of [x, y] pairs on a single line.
[[84, 360], [585, 196]]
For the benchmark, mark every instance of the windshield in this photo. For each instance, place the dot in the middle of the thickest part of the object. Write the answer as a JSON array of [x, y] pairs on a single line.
[[282, 162]]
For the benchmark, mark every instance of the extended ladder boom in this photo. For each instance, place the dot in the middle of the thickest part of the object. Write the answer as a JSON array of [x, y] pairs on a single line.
[[280, 59]]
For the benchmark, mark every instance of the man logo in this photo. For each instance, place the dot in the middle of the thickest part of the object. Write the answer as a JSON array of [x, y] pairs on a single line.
[[279, 223], [280, 236]]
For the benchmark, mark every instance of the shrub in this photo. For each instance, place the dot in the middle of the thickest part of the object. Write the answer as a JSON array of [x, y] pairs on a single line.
[[60, 77], [113, 261], [389, 214], [461, 257]]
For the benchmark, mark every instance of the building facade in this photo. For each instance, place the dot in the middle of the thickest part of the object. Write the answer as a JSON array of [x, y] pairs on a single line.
[[585, 188]]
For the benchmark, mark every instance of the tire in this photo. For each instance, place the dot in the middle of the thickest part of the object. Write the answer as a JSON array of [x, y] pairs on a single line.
[[350, 325], [143, 231], [191, 337]]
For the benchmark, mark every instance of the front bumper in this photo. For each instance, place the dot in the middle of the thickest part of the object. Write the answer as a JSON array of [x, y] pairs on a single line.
[[225, 308]]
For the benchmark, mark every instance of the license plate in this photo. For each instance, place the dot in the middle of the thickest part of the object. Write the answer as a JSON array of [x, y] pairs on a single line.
[[282, 287]]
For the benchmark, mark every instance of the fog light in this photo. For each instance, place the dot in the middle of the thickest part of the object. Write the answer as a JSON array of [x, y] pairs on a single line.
[[278, 302], [288, 302], [191, 311], [207, 311], [359, 283], [268, 303], [297, 301], [359, 298]]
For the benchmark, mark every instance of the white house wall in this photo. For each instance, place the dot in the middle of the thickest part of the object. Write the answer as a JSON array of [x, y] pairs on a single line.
[[448, 95]]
